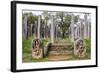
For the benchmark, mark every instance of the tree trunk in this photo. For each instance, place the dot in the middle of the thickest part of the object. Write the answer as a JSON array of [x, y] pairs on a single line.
[[63, 34]]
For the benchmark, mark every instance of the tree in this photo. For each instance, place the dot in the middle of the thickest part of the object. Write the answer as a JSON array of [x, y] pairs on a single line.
[[64, 22], [31, 18], [76, 18]]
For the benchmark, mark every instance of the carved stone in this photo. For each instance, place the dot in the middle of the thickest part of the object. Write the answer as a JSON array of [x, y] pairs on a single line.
[[37, 50], [46, 49], [79, 48]]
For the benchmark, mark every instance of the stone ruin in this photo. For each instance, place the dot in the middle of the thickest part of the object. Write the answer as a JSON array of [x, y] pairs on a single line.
[[79, 48], [37, 50], [46, 49]]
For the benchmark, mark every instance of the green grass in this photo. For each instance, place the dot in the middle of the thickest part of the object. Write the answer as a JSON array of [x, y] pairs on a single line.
[[45, 41], [88, 46], [26, 49], [87, 56], [40, 60], [27, 52]]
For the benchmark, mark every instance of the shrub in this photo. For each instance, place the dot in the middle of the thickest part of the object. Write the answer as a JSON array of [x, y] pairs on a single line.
[[88, 44]]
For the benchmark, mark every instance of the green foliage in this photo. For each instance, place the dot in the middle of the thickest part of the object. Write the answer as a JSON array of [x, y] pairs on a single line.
[[27, 50], [76, 19], [46, 17], [64, 23], [45, 41], [67, 20], [40, 60], [31, 18], [88, 44], [27, 45]]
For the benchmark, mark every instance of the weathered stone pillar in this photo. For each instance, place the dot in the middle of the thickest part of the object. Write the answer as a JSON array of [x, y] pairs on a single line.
[[52, 30], [72, 28], [85, 26], [76, 31], [89, 26], [24, 25], [31, 30], [89, 33], [35, 29], [39, 22]]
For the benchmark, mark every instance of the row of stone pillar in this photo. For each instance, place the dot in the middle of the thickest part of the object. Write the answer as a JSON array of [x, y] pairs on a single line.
[[79, 30], [82, 29]]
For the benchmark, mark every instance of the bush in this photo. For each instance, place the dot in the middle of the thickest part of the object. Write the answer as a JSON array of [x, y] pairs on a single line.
[[88, 44]]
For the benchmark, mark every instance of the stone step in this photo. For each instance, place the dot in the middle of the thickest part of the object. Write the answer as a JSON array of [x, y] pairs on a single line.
[[60, 53], [60, 57], [60, 47]]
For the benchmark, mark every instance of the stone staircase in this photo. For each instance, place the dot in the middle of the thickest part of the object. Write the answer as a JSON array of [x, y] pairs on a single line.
[[60, 52]]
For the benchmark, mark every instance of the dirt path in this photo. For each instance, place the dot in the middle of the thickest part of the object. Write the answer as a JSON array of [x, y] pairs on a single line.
[[60, 58]]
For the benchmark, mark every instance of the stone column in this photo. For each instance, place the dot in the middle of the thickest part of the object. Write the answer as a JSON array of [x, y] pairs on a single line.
[[52, 30], [39, 22], [72, 28], [24, 27], [82, 30], [85, 26], [89, 26], [31, 30], [89, 33], [35, 29]]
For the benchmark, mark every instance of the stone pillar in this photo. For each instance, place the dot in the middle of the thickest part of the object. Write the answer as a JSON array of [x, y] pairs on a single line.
[[52, 30], [39, 22], [76, 31], [82, 30], [85, 26], [72, 28], [89, 30], [35, 29], [31, 30], [89, 26], [24, 27]]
